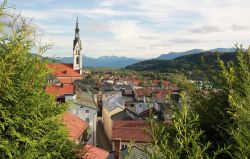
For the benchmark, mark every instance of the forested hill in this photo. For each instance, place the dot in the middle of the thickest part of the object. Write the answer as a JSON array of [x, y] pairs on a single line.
[[183, 63]]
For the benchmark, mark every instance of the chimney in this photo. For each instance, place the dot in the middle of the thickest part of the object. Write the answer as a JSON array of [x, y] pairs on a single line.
[[117, 148]]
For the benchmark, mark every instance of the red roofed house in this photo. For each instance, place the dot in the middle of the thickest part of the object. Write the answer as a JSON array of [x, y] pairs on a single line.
[[92, 152], [76, 126], [128, 130], [66, 74]]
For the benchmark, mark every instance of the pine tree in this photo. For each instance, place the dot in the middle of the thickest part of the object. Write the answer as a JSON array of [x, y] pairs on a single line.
[[30, 122], [180, 139], [236, 78]]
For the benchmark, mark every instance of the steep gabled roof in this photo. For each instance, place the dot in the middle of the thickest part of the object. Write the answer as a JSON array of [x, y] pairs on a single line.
[[60, 90], [92, 152], [63, 70], [126, 114], [75, 125], [129, 130], [86, 99]]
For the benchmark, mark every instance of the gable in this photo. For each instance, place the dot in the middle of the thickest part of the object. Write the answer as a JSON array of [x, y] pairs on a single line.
[[63, 70]]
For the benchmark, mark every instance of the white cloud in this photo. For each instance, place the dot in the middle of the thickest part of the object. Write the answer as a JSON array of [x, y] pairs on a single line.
[[144, 28]]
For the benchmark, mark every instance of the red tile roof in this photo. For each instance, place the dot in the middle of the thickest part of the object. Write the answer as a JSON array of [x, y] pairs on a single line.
[[161, 95], [63, 70], [129, 130], [75, 125], [143, 92], [136, 82], [92, 152], [60, 90]]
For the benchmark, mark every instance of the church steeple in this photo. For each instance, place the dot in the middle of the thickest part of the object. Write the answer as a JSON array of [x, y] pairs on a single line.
[[77, 30], [77, 48]]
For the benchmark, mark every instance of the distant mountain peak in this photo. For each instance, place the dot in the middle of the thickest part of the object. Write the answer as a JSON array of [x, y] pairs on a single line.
[[173, 55], [103, 61]]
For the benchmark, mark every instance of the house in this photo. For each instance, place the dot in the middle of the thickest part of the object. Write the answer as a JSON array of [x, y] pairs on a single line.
[[111, 105], [85, 107], [135, 82], [127, 90], [92, 152], [130, 130], [76, 127], [60, 91], [126, 114], [134, 152]]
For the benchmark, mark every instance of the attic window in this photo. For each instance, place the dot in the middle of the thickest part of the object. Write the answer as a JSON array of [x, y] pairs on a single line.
[[64, 72]]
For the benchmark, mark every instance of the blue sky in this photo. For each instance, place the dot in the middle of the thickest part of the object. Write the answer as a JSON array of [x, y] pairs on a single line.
[[138, 28]]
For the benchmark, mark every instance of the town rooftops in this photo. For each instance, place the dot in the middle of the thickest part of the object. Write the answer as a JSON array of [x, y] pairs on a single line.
[[92, 152], [60, 90], [143, 92], [126, 114], [129, 130], [63, 70], [75, 125], [85, 99], [114, 102]]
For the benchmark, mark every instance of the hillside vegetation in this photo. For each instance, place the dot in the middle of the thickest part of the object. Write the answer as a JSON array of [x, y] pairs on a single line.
[[184, 63]]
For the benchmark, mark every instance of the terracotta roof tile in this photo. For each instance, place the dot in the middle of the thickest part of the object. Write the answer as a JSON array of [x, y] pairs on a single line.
[[143, 92], [75, 125], [129, 130], [60, 90], [63, 70], [92, 152], [136, 82]]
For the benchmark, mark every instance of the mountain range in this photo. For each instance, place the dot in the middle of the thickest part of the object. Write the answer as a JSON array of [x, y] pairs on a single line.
[[121, 62], [173, 55], [104, 61], [183, 64]]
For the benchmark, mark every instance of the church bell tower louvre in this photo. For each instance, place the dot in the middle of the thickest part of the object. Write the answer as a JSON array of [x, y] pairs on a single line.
[[77, 49]]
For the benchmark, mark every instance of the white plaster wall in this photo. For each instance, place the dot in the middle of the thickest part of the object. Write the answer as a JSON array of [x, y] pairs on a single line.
[[80, 111]]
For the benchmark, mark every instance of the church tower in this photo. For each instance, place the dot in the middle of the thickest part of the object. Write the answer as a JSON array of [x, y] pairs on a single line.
[[77, 49]]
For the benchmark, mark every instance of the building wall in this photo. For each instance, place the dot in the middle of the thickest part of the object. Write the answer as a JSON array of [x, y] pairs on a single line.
[[106, 119], [69, 97], [140, 107], [86, 114]]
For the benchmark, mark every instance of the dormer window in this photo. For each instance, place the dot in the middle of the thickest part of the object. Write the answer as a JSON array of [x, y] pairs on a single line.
[[64, 72]]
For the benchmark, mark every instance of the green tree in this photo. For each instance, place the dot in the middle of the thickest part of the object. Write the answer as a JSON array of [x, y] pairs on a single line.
[[236, 79], [179, 139], [30, 122]]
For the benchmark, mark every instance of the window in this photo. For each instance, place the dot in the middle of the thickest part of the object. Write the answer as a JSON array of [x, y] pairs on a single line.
[[124, 146], [77, 60], [87, 120], [87, 111]]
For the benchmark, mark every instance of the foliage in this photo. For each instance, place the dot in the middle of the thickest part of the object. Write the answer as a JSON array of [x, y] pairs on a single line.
[[190, 64], [182, 82], [224, 111], [30, 123], [236, 79], [180, 139]]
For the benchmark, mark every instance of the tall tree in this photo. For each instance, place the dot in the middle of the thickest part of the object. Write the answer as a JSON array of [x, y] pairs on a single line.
[[236, 78], [30, 123], [180, 139]]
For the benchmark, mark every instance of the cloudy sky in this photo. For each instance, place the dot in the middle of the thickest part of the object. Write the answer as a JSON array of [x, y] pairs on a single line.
[[138, 28]]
